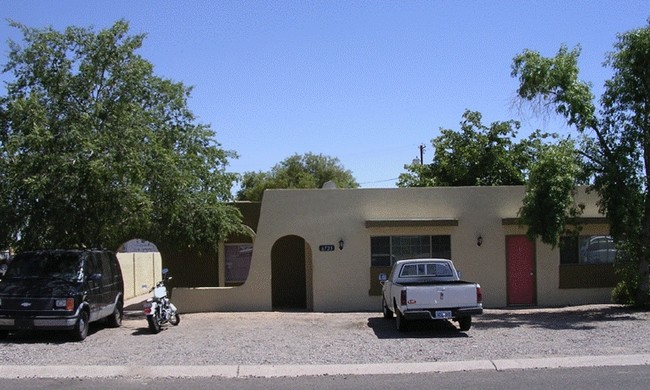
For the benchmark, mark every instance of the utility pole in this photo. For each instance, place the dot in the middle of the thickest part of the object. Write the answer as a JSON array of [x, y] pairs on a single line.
[[422, 147]]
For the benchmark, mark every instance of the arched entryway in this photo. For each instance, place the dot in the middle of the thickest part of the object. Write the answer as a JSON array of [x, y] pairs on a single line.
[[291, 274]]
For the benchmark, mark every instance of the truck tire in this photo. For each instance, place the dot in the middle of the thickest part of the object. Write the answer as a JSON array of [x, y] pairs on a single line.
[[388, 314], [400, 321], [465, 323]]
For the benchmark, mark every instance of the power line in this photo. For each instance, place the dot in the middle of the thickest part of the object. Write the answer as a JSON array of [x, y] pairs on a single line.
[[378, 181]]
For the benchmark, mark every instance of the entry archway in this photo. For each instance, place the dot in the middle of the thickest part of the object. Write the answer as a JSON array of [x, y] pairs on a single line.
[[291, 274]]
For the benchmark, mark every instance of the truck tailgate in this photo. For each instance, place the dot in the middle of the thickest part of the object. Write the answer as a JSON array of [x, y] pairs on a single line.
[[439, 296]]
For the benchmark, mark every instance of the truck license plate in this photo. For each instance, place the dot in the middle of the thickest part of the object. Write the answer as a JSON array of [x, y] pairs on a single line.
[[443, 314]]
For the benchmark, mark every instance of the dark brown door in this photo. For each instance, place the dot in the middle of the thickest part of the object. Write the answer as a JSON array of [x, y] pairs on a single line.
[[288, 274]]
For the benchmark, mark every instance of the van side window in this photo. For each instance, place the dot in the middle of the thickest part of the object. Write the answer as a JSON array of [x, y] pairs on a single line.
[[107, 267], [93, 264]]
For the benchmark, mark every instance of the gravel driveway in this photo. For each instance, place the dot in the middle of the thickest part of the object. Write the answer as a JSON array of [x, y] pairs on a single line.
[[340, 338]]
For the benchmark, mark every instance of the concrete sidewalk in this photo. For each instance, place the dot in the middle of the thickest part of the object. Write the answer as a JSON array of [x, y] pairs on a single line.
[[133, 305], [274, 371]]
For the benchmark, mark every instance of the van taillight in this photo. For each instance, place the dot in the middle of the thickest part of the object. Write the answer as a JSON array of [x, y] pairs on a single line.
[[403, 297], [479, 295]]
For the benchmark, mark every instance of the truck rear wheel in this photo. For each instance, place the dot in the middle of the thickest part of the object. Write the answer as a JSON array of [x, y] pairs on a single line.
[[465, 323], [400, 321], [388, 314]]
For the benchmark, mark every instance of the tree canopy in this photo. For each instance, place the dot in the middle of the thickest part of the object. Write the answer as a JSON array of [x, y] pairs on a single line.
[[96, 149], [615, 146], [297, 171], [477, 155]]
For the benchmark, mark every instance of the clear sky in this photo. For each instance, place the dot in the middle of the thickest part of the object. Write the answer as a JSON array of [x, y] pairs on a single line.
[[364, 81]]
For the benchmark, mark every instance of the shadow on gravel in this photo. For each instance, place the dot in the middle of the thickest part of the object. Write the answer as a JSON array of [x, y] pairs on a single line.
[[578, 319], [143, 332], [385, 329], [134, 309], [134, 306], [134, 314]]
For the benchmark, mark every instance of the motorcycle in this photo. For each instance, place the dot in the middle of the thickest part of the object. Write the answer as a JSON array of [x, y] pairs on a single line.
[[159, 309]]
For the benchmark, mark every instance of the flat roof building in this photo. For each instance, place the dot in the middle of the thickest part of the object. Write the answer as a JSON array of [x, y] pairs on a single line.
[[323, 249]]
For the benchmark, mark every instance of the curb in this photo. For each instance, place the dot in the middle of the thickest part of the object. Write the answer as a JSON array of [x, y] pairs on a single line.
[[275, 371]]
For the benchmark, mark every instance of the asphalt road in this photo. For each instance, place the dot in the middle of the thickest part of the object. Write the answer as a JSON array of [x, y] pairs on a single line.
[[588, 378]]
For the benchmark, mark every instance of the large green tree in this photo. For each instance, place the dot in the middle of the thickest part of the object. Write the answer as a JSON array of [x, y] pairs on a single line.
[[477, 155], [550, 204], [616, 144], [96, 149], [298, 171]]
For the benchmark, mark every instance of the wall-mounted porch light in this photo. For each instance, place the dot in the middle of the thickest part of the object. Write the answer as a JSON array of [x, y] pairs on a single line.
[[479, 240], [341, 244]]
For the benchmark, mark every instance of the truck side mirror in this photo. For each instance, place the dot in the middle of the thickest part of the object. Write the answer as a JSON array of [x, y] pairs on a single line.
[[383, 277]]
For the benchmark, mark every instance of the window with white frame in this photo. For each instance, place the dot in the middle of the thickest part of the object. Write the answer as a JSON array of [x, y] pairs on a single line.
[[386, 250]]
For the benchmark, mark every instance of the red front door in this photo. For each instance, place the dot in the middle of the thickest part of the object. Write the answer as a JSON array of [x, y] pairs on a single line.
[[520, 259]]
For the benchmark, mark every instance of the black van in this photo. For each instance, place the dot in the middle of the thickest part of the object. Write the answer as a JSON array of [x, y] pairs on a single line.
[[61, 290]]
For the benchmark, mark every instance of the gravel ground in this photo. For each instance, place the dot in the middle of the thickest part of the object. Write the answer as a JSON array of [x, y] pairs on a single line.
[[340, 338]]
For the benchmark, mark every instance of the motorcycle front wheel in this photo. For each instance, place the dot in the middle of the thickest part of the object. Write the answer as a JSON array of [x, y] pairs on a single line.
[[175, 319], [154, 324]]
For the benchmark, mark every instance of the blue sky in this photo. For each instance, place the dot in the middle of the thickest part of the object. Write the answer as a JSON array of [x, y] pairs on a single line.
[[364, 81]]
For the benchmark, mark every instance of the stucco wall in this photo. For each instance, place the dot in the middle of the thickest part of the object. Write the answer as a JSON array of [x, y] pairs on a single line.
[[339, 280], [141, 271]]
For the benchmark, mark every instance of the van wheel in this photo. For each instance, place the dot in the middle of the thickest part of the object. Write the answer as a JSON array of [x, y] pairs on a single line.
[[465, 323], [388, 314], [115, 319], [80, 330]]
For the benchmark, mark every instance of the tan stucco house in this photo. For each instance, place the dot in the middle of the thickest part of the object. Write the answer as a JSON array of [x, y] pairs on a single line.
[[323, 249]]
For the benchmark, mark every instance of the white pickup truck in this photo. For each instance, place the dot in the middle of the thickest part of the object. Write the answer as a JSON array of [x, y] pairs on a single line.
[[429, 289]]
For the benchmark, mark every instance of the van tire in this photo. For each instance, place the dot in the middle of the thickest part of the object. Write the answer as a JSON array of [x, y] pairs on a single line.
[[115, 319], [80, 330]]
